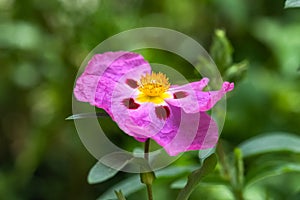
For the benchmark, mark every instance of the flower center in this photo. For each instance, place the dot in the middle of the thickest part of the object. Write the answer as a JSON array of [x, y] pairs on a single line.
[[153, 88], [154, 84]]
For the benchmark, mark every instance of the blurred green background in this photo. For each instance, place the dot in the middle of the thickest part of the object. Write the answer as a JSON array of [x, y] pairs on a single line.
[[42, 44]]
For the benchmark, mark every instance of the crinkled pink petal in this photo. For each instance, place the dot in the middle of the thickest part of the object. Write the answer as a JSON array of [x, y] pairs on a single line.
[[187, 131], [195, 99], [141, 123], [103, 72], [137, 120]]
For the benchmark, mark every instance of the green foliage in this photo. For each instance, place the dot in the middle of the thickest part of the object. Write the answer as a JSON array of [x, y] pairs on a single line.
[[292, 4], [236, 71], [271, 168], [196, 176], [270, 155], [101, 172], [272, 142], [133, 184], [221, 51], [127, 186], [258, 159], [87, 115]]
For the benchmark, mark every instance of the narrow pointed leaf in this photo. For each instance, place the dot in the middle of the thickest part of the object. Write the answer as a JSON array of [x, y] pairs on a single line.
[[87, 115], [221, 50], [270, 169], [101, 172], [236, 71], [196, 176], [273, 142]]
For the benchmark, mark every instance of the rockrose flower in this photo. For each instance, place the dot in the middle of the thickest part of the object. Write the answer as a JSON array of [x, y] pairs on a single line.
[[145, 105]]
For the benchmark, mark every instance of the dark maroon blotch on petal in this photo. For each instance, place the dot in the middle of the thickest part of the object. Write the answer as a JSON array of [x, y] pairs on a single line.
[[162, 112], [129, 103], [132, 83], [179, 95]]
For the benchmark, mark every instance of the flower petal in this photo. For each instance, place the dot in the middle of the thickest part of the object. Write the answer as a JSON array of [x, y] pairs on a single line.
[[104, 71], [162, 112], [187, 131], [192, 99], [141, 122]]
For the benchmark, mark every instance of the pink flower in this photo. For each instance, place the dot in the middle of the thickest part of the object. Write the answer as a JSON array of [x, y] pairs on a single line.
[[145, 105]]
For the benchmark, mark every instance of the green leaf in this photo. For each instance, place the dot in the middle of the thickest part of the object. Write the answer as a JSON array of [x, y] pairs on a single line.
[[87, 115], [221, 50], [179, 183], [236, 71], [128, 186], [196, 176], [269, 169], [271, 142], [101, 172], [292, 3], [212, 178], [203, 154], [174, 171]]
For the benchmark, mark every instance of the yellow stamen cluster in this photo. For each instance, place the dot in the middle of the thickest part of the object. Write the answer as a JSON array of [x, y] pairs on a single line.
[[154, 84], [153, 88]]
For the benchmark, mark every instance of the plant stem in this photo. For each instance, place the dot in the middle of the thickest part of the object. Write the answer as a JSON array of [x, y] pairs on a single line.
[[146, 149], [232, 171], [238, 195], [239, 174], [223, 161], [146, 156], [147, 177], [149, 191]]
